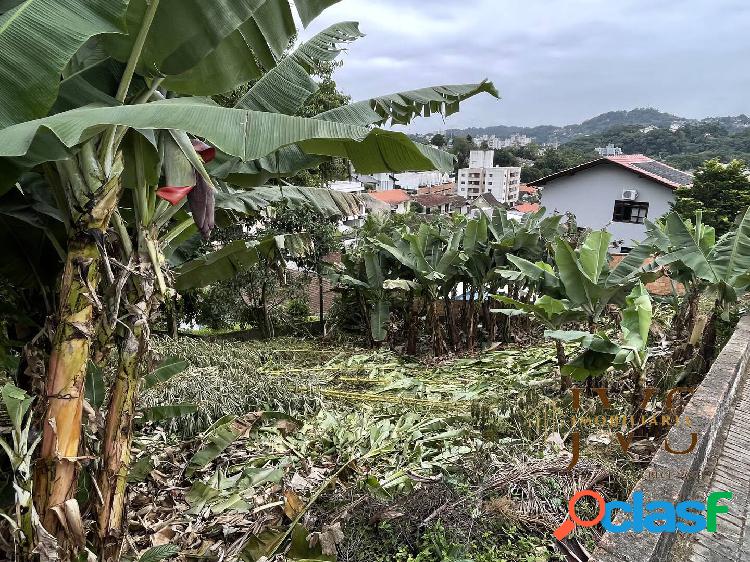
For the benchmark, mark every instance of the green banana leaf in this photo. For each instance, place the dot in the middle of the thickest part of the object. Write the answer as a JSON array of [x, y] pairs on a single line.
[[592, 256], [286, 87], [402, 107], [636, 318], [634, 266], [159, 413], [325, 202], [730, 257], [236, 256], [242, 133], [686, 250], [185, 32], [168, 368], [291, 159], [578, 286], [37, 39]]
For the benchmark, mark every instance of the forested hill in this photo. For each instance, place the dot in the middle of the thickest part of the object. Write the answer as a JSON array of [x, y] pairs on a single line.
[[685, 148], [642, 117]]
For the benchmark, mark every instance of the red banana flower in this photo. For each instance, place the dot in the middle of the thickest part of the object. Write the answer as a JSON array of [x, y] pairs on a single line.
[[206, 151], [173, 194]]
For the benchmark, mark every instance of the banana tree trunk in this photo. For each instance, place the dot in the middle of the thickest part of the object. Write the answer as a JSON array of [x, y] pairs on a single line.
[[433, 320], [565, 381], [686, 314], [412, 328], [707, 349], [133, 339], [118, 434], [321, 314], [56, 472], [450, 322]]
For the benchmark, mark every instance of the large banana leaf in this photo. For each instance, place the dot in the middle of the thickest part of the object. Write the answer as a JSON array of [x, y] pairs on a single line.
[[95, 84], [401, 108], [730, 257], [578, 287], [242, 133], [382, 151], [686, 250], [539, 273], [325, 202], [593, 254], [37, 39], [636, 318], [235, 257], [633, 266], [185, 32], [550, 311], [285, 88]]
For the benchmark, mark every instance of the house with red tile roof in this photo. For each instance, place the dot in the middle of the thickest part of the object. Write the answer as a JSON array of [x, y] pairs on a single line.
[[614, 192], [397, 199], [524, 208]]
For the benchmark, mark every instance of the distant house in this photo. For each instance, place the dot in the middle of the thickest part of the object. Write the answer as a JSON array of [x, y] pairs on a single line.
[[524, 208], [485, 203], [397, 199], [448, 188], [435, 204], [616, 192]]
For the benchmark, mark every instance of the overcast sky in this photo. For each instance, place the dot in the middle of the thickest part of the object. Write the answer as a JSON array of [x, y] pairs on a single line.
[[554, 61]]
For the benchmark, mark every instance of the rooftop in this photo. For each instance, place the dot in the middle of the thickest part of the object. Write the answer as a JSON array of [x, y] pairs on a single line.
[[638, 163], [392, 196], [489, 199], [527, 207], [437, 199], [525, 188]]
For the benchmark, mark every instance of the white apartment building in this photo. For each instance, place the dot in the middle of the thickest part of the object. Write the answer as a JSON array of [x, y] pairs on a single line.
[[482, 177], [609, 150], [495, 143], [347, 186]]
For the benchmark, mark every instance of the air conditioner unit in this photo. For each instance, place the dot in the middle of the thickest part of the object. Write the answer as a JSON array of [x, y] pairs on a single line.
[[629, 194]]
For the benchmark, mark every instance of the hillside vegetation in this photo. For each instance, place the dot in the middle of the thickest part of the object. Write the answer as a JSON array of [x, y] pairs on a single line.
[[642, 117]]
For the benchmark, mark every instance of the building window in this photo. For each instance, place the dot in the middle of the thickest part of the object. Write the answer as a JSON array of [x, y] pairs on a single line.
[[630, 211]]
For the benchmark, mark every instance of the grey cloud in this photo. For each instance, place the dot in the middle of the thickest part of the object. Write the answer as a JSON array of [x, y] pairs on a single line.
[[554, 61]]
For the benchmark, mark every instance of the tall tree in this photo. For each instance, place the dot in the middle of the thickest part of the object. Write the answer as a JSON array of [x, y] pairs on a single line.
[[438, 140], [719, 190]]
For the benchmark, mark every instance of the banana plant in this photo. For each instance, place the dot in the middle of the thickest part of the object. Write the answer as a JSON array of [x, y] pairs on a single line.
[[364, 275], [89, 153], [432, 259], [19, 452], [127, 59], [551, 313], [585, 275], [721, 268], [598, 352]]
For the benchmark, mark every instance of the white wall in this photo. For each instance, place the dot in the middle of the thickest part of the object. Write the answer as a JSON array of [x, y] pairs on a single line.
[[481, 158], [590, 195]]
